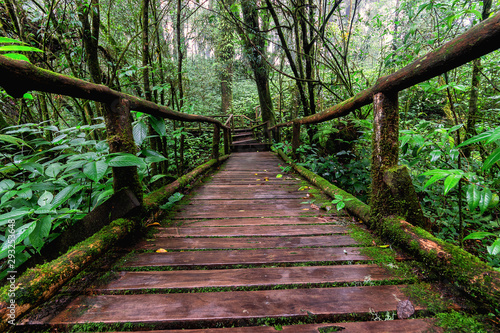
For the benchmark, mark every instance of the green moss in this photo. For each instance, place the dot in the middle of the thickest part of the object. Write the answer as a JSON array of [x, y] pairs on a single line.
[[459, 322]]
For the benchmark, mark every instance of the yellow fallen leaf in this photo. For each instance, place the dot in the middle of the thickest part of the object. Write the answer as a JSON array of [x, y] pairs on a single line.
[[161, 251], [313, 206], [256, 174], [305, 208], [258, 180], [384, 246], [153, 224]]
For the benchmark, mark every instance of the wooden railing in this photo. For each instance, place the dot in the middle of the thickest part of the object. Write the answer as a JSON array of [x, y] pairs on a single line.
[[476, 42], [18, 77]]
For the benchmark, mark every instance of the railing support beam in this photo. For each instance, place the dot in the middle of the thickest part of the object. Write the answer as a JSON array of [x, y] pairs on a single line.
[[295, 139], [216, 142], [121, 140], [392, 191]]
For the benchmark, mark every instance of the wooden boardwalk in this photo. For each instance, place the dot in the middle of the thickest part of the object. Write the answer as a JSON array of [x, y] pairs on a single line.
[[247, 250]]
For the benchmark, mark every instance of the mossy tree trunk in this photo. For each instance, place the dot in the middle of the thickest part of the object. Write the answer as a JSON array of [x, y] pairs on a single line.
[[121, 140], [392, 192]]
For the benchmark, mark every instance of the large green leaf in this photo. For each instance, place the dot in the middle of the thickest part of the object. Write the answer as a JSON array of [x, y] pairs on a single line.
[[126, 160], [95, 170], [17, 48], [53, 170], [41, 231], [12, 139], [140, 132], [477, 138], [439, 174], [479, 235], [17, 56], [45, 199], [158, 125], [450, 182], [21, 233], [473, 196], [63, 195], [13, 215], [492, 159], [6, 184], [485, 199], [5, 40], [495, 135], [494, 248]]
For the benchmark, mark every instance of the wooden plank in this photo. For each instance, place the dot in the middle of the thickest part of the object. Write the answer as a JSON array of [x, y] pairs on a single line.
[[217, 307], [258, 203], [247, 212], [259, 221], [245, 257], [391, 326], [253, 195], [246, 243], [272, 230], [252, 277]]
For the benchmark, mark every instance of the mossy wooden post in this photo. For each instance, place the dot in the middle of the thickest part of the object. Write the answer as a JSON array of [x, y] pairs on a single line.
[[295, 139], [215, 143], [227, 138], [392, 191], [121, 140]]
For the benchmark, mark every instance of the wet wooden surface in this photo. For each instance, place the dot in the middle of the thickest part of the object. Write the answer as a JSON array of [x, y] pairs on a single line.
[[223, 306], [392, 326], [246, 257], [246, 242], [250, 223], [259, 277]]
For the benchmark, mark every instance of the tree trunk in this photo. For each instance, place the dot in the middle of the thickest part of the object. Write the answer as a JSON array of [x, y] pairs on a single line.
[[255, 47], [225, 55], [470, 130]]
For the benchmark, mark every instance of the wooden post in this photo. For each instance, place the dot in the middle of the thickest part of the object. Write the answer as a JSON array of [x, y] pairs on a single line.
[[227, 135], [121, 140], [295, 139], [215, 143], [388, 197]]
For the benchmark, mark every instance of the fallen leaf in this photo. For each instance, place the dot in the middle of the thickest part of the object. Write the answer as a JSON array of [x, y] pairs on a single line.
[[257, 180], [305, 208], [313, 206], [161, 251], [256, 174], [279, 175], [153, 224], [384, 246]]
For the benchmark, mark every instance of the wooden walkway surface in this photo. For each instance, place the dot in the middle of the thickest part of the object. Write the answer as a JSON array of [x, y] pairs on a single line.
[[247, 250]]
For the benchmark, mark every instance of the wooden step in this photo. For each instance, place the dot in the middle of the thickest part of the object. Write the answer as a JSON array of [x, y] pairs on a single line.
[[391, 326], [185, 310], [272, 230], [263, 221], [219, 258], [252, 277], [246, 243]]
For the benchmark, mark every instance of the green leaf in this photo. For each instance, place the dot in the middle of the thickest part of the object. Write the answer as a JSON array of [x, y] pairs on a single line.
[[140, 132], [28, 96], [340, 205], [485, 199], [125, 160], [63, 195], [95, 170], [45, 199], [473, 196], [437, 174], [158, 125], [492, 159], [16, 48], [154, 159], [156, 177], [6, 40], [479, 235], [6, 184], [495, 136], [24, 231], [13, 139], [17, 56], [494, 248], [435, 155], [53, 170], [13, 215], [478, 138], [450, 182]]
